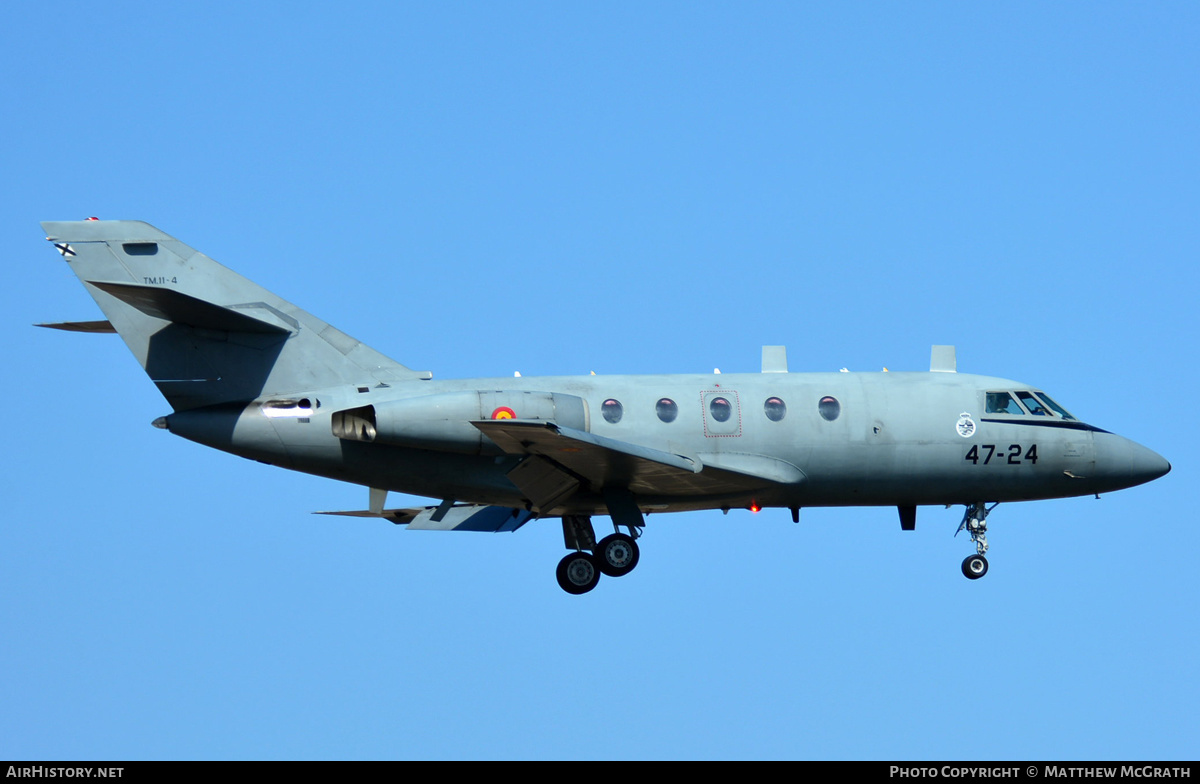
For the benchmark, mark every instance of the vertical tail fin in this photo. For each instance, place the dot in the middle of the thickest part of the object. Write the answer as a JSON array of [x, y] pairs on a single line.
[[203, 333]]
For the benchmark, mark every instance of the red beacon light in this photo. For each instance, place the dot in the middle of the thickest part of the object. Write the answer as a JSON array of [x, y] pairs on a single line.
[[754, 507]]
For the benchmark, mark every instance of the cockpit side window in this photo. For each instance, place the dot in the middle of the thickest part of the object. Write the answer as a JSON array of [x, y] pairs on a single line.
[[1033, 404], [1002, 403], [1062, 412]]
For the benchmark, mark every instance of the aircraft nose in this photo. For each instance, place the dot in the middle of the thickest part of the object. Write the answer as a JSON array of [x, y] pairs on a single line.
[[1123, 463], [1146, 464]]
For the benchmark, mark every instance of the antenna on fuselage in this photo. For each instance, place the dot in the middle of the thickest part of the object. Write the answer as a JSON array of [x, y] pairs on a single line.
[[942, 360], [774, 359]]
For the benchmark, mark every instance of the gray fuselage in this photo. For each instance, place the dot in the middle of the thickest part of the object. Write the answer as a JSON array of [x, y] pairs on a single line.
[[885, 439]]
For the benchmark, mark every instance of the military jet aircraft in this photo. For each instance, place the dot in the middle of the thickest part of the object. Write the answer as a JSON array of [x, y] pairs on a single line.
[[249, 373]]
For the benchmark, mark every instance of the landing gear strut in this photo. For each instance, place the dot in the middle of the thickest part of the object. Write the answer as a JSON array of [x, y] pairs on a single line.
[[975, 521], [579, 571]]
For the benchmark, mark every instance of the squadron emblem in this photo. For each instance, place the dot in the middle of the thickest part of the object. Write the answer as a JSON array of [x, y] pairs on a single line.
[[966, 425]]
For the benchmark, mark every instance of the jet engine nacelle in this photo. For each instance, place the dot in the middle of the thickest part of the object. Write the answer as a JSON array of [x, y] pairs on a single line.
[[442, 422]]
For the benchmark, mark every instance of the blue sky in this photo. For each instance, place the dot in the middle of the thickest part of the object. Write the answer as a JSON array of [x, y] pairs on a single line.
[[482, 188]]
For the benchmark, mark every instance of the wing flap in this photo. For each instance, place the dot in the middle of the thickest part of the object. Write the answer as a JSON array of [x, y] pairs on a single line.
[[463, 517], [544, 482], [470, 517]]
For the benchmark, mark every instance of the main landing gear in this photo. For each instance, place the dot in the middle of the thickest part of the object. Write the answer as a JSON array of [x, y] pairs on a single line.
[[578, 573], [975, 521], [615, 555]]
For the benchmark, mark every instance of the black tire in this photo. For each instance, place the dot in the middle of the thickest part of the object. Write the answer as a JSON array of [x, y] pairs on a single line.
[[617, 554], [578, 573], [974, 567]]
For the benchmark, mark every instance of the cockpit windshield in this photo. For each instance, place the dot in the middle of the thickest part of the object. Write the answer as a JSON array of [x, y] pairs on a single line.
[[1002, 403], [1062, 412], [1038, 404], [1033, 404]]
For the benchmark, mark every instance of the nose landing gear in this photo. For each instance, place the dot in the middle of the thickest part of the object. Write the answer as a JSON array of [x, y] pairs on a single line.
[[974, 567], [975, 521]]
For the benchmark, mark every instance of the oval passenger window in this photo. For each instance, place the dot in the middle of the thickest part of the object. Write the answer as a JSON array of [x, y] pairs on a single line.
[[612, 410]]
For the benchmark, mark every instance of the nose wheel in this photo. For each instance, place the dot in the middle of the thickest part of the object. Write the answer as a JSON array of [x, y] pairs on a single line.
[[975, 522], [974, 567]]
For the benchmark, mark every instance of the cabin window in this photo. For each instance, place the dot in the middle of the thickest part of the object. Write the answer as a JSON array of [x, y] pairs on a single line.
[[720, 409], [1033, 404], [1062, 412], [775, 409], [830, 408], [667, 409], [612, 411], [1002, 403]]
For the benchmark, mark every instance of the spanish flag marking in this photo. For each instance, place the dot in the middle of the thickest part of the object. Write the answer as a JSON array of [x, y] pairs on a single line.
[[504, 412]]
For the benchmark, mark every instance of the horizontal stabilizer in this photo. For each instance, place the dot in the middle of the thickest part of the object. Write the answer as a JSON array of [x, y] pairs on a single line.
[[171, 305], [397, 516], [466, 517], [97, 327]]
